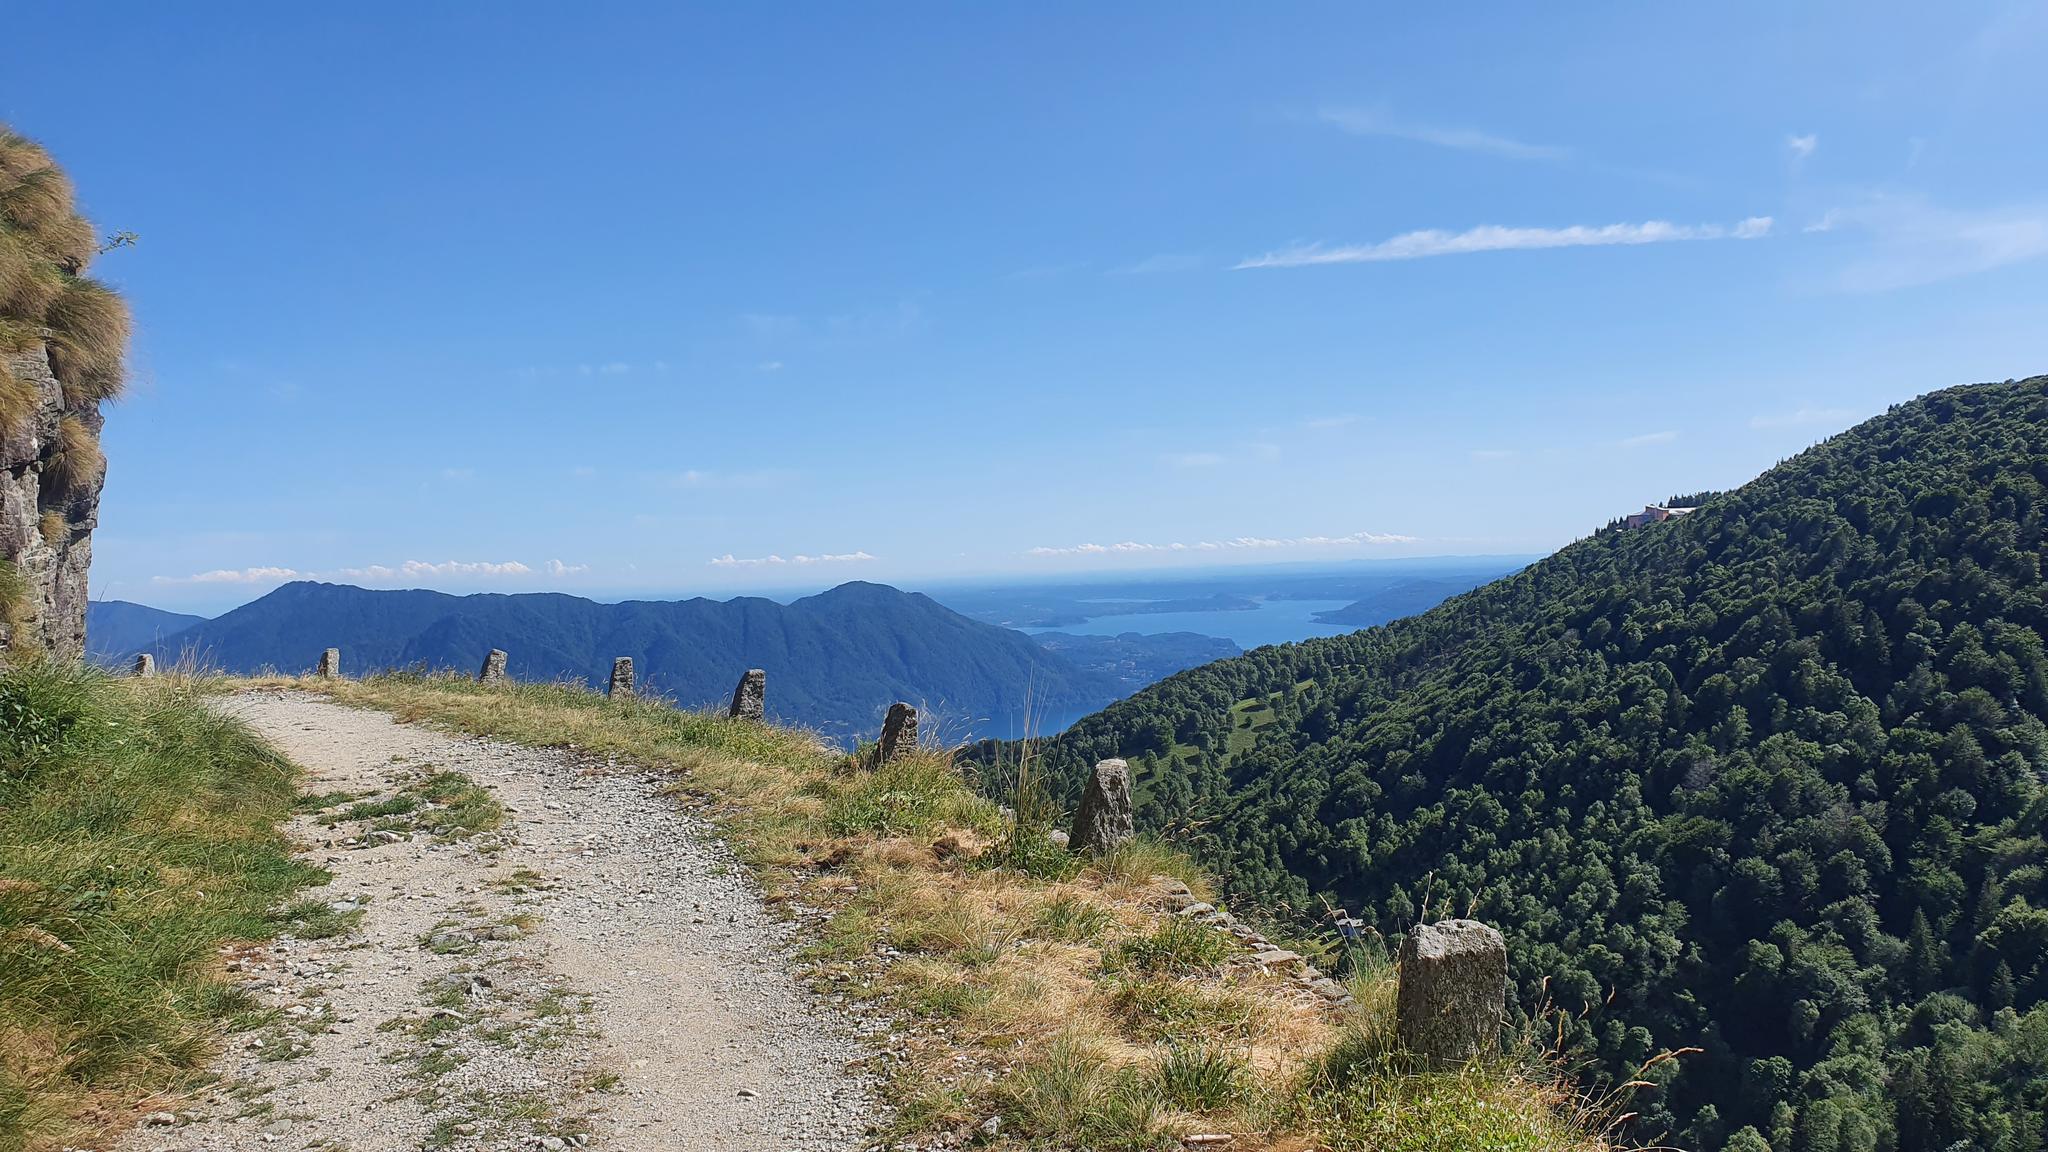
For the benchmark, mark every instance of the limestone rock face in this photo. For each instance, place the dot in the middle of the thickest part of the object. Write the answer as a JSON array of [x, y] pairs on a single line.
[[750, 698], [48, 509], [1105, 819], [1453, 991]]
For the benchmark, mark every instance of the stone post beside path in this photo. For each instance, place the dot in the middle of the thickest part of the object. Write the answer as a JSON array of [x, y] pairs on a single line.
[[145, 665], [899, 733], [622, 677], [330, 665], [493, 671], [1453, 992], [750, 698], [1105, 818]]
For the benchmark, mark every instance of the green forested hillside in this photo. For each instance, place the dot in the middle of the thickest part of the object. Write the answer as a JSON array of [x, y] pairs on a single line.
[[1767, 780]]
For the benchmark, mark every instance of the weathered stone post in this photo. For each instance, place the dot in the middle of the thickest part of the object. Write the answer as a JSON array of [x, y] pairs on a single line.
[[1105, 819], [493, 671], [145, 665], [899, 733], [330, 665], [622, 677], [1453, 992], [750, 698]]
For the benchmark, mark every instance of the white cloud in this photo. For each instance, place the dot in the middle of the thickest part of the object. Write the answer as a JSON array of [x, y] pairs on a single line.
[[1324, 423], [413, 569], [1497, 238], [458, 474], [1162, 262], [1803, 416], [615, 368], [557, 568], [1379, 122], [1647, 439], [1193, 459], [1493, 453], [730, 561], [769, 366], [1912, 241], [1238, 543], [1826, 223], [265, 575], [1802, 146]]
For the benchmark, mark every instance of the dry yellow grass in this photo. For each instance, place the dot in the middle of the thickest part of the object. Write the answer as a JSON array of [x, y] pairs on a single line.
[[1013, 996], [78, 463], [45, 246]]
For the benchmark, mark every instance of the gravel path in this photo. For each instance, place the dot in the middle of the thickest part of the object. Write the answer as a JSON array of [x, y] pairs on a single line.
[[596, 972]]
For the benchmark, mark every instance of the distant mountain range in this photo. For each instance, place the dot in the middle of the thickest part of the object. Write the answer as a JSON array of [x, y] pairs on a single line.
[[116, 628], [835, 661]]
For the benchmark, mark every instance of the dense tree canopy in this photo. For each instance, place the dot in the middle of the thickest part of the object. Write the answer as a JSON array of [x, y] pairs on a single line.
[[1767, 780]]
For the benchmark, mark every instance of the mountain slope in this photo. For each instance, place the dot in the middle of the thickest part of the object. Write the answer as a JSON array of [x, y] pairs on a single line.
[[117, 628], [1772, 775], [835, 661]]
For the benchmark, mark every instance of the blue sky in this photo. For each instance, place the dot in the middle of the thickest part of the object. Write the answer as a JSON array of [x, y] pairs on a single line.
[[630, 299]]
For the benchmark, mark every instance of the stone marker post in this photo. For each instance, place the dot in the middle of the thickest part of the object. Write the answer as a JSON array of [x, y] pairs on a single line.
[[899, 733], [1105, 818], [493, 671], [330, 664], [145, 664], [1453, 992], [622, 677], [750, 698]]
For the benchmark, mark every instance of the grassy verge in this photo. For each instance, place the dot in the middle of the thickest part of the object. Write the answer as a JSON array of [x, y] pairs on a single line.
[[138, 835], [1042, 1002]]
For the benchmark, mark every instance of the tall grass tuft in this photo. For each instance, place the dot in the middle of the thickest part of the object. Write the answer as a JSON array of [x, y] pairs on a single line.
[[17, 402], [137, 835], [88, 337], [78, 463]]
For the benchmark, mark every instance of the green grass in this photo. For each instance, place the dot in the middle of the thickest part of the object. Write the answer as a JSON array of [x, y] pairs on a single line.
[[1171, 1010], [137, 836], [1179, 947]]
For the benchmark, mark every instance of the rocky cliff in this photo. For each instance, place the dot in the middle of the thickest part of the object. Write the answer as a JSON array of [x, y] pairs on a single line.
[[50, 475], [62, 339]]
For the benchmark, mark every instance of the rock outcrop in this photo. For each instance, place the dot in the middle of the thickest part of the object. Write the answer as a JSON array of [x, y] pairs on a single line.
[[493, 671], [49, 505], [63, 337], [1106, 818], [1453, 992]]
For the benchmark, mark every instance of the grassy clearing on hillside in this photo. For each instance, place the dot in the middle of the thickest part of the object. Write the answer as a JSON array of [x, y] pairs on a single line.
[[138, 834], [1054, 995]]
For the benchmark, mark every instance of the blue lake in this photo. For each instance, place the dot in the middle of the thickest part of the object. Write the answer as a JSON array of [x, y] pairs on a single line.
[[1272, 622]]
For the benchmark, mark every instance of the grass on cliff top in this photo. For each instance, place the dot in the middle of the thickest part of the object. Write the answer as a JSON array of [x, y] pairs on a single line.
[[1052, 993], [138, 836]]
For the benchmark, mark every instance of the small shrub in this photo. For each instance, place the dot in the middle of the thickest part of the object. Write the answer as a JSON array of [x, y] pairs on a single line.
[[1137, 861], [1072, 920], [1073, 1097], [1179, 947], [1030, 850], [1156, 1010], [906, 797], [1202, 1078]]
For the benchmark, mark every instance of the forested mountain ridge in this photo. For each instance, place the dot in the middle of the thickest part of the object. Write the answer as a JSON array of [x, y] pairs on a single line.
[[1770, 776]]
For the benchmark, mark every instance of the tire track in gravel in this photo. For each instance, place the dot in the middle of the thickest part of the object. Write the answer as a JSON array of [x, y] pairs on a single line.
[[597, 972]]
